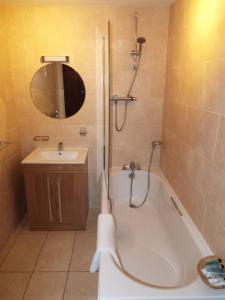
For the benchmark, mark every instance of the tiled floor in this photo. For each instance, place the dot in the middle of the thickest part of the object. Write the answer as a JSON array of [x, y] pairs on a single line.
[[51, 265]]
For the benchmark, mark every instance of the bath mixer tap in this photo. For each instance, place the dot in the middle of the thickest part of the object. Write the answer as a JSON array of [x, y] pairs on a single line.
[[132, 166]]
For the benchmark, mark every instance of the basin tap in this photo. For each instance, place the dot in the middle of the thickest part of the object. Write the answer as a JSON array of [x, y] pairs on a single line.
[[60, 146]]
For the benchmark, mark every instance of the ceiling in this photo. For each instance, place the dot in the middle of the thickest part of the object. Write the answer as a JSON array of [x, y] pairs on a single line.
[[86, 2]]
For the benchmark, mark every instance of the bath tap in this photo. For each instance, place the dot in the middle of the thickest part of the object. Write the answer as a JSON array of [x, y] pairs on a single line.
[[132, 166]]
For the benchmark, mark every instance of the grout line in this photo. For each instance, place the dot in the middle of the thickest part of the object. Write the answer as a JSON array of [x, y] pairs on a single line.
[[28, 272], [32, 272], [25, 290], [42, 247], [196, 151], [24, 293], [81, 272], [10, 248], [16, 234], [24, 272], [216, 139], [218, 222], [201, 62], [67, 275], [204, 218]]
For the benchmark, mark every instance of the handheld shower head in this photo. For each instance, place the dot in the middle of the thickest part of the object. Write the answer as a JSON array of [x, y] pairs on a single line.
[[140, 40]]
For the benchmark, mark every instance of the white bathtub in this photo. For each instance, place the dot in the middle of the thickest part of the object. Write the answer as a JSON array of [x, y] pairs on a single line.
[[158, 248]]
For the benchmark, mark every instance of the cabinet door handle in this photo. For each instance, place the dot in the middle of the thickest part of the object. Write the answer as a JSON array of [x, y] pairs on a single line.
[[60, 200], [49, 201]]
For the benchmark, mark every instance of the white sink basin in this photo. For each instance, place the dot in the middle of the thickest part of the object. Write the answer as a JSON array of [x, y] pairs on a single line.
[[56, 155], [53, 156]]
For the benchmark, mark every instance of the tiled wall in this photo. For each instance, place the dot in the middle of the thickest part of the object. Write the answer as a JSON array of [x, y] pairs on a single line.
[[144, 117], [12, 202], [193, 156], [71, 30], [57, 30]]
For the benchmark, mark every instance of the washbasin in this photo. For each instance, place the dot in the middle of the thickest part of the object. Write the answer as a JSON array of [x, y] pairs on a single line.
[[59, 155], [53, 156]]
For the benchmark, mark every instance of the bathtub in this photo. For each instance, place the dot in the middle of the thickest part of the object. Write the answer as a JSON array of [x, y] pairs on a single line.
[[158, 248]]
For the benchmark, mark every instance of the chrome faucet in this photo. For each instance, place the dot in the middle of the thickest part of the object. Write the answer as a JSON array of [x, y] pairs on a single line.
[[132, 166], [60, 146]]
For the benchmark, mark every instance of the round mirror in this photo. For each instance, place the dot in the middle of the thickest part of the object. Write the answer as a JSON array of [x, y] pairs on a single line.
[[57, 90]]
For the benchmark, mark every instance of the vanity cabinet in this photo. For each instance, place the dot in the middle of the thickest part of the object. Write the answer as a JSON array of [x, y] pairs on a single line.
[[57, 196]]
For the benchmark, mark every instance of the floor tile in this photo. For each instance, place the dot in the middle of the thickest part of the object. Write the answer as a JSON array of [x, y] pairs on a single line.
[[92, 219], [83, 252], [81, 286], [46, 286], [13, 285], [23, 255], [11, 240], [56, 253]]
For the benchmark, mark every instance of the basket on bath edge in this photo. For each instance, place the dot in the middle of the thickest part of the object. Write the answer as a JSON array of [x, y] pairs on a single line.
[[201, 265]]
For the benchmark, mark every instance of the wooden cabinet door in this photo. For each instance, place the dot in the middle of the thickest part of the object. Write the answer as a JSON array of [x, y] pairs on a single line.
[[71, 200], [41, 202], [57, 196]]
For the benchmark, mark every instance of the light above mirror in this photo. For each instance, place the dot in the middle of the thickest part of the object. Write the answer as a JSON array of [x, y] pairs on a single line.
[[50, 59], [57, 90]]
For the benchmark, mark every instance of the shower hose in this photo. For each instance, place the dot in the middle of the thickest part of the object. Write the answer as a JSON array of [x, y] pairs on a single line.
[[120, 128], [148, 187]]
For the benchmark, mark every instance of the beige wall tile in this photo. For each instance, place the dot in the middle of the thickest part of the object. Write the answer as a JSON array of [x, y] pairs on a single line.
[[27, 35], [12, 203], [32, 30], [214, 234], [144, 116], [221, 134], [220, 154], [214, 87], [193, 154], [201, 131]]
